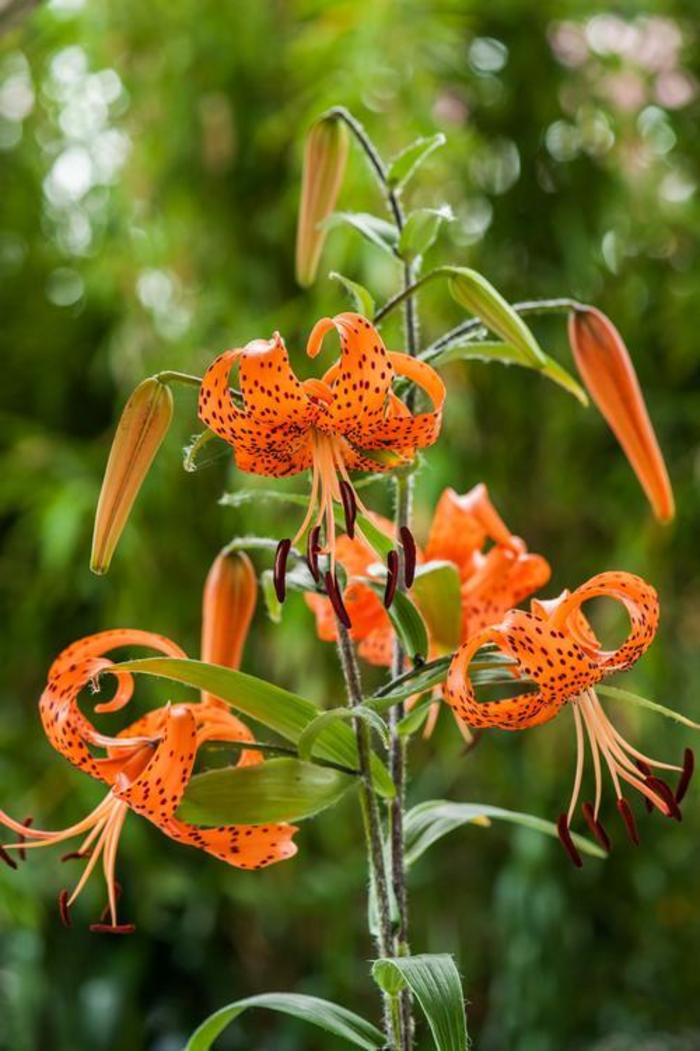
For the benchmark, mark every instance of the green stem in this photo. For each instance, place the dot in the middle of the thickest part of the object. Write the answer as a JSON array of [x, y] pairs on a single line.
[[471, 327], [371, 818], [179, 377]]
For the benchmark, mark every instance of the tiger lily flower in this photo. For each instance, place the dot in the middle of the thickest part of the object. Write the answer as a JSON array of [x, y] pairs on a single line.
[[555, 648], [606, 368], [146, 767], [491, 582], [349, 420]]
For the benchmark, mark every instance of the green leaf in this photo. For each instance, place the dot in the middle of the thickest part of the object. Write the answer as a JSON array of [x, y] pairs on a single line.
[[276, 790], [200, 452], [322, 1013], [434, 981], [379, 232], [284, 712], [471, 290], [406, 620], [306, 742], [362, 299], [430, 821], [643, 702], [421, 228], [437, 591], [422, 678], [406, 163], [412, 722], [507, 354]]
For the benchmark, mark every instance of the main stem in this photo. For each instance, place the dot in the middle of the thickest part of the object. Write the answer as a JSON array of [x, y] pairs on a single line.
[[372, 823]]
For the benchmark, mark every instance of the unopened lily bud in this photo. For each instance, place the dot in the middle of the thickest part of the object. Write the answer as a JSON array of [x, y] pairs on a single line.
[[607, 371], [140, 431], [325, 157], [230, 594]]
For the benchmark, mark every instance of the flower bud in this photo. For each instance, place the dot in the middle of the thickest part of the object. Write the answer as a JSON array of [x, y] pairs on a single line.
[[607, 371], [230, 594], [325, 157], [140, 431]]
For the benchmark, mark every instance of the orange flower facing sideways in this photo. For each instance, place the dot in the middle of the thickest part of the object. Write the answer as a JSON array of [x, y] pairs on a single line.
[[491, 582], [555, 648], [349, 420], [146, 766]]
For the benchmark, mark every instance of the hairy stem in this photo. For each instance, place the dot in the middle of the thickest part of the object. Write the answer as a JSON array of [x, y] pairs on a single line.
[[371, 820]]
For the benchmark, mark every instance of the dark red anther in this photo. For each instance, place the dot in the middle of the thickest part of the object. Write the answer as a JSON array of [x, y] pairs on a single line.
[[279, 572], [113, 928], [22, 854], [4, 856], [336, 599], [347, 495], [312, 551], [628, 818], [64, 909], [567, 841], [659, 786], [409, 555], [73, 854], [686, 775], [392, 578], [597, 830]]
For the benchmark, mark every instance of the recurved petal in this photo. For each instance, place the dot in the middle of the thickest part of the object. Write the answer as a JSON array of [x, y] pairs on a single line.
[[243, 846], [462, 524], [158, 789], [67, 729], [361, 380], [607, 370], [639, 599], [546, 656]]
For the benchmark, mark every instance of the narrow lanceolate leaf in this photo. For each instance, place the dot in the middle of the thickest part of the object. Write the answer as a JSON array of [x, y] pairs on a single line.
[[428, 822], [277, 790], [436, 589], [434, 981], [324, 1014], [404, 166], [617, 694], [406, 620], [473, 291], [607, 370], [425, 676], [508, 354], [421, 229], [362, 300], [325, 158], [307, 740], [284, 712], [140, 432], [379, 232], [273, 606]]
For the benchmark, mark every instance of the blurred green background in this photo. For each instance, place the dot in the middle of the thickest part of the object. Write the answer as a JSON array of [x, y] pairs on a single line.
[[149, 176]]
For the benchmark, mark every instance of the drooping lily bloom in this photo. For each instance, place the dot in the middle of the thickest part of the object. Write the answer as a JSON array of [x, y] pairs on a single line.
[[491, 581], [557, 651], [146, 766], [349, 420], [607, 370]]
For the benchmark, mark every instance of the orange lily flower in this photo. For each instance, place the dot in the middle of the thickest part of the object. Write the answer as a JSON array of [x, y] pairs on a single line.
[[146, 767], [556, 649], [607, 370], [349, 420], [491, 581]]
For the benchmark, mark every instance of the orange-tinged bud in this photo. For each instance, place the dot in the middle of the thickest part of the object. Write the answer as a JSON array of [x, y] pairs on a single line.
[[325, 157], [230, 593], [140, 431], [607, 371]]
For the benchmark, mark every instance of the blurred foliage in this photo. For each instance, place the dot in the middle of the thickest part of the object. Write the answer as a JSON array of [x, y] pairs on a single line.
[[149, 165]]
